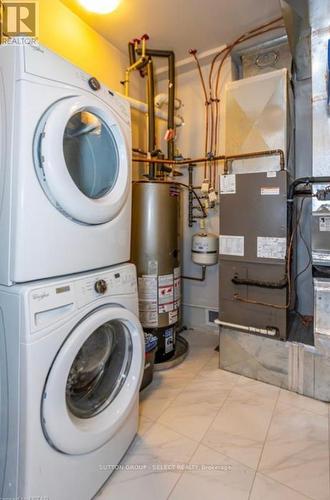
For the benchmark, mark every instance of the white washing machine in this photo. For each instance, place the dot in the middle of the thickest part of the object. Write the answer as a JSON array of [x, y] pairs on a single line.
[[71, 361], [65, 168]]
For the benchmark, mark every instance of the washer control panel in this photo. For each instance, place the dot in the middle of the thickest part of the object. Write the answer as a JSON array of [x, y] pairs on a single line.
[[122, 281], [51, 304]]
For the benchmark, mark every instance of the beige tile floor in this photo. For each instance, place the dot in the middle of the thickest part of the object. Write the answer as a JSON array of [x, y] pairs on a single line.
[[208, 434]]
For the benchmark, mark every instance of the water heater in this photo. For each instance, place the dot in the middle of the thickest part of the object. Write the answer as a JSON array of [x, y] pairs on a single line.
[[155, 252]]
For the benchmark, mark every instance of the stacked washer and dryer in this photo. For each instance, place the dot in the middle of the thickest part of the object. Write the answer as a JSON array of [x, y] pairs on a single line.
[[71, 345]]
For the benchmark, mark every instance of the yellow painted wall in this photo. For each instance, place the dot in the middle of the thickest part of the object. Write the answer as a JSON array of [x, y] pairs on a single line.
[[64, 32], [69, 36]]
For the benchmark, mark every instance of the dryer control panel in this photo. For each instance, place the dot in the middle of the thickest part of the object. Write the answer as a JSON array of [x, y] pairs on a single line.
[[53, 303], [42, 62]]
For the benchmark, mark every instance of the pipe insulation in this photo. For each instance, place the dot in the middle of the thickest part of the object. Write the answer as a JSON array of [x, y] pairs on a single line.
[[143, 107], [250, 329], [162, 99]]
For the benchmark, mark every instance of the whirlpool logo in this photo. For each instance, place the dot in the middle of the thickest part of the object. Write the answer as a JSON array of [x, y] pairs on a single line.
[[19, 19]]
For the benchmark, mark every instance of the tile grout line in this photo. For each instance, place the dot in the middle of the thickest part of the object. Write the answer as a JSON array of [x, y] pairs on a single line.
[[286, 486], [181, 474], [329, 444], [199, 443], [180, 390], [154, 421], [263, 446], [171, 400], [185, 386], [305, 411], [265, 475]]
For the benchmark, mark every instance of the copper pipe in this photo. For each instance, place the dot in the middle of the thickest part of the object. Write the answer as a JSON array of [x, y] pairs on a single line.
[[176, 162], [227, 51], [244, 156], [238, 40], [260, 154]]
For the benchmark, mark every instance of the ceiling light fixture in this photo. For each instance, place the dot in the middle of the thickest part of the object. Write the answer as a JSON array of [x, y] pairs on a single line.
[[100, 6]]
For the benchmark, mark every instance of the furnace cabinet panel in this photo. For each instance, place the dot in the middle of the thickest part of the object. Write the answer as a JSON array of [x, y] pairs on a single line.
[[257, 118], [253, 246], [321, 229]]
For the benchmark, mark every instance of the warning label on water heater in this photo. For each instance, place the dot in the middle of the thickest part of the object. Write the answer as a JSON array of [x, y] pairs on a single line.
[[173, 317], [165, 293], [149, 318], [148, 287], [148, 300]]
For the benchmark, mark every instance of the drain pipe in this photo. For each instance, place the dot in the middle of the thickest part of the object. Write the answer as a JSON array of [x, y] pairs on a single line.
[[272, 332], [168, 54], [151, 116], [305, 180], [135, 64]]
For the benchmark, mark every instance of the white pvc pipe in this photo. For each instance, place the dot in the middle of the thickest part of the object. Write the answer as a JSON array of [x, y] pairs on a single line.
[[142, 106], [251, 329]]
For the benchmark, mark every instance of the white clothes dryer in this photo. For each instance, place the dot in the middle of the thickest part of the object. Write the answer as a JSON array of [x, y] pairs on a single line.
[[65, 168], [71, 367]]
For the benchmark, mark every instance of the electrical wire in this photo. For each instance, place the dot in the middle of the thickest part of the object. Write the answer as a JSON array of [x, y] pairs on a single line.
[[288, 271], [309, 263], [193, 52]]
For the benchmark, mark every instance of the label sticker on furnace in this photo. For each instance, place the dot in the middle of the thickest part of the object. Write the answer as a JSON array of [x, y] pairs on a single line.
[[228, 184], [324, 224], [273, 191], [271, 248], [231, 245]]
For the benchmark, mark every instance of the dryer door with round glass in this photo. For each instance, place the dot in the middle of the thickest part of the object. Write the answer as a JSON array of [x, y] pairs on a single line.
[[82, 159], [94, 381]]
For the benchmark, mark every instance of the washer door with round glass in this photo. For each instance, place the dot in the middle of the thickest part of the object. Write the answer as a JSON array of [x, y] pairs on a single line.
[[82, 159], [94, 381]]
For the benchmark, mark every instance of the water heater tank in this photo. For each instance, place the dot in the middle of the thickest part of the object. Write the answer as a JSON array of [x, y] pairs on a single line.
[[155, 252], [205, 249]]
